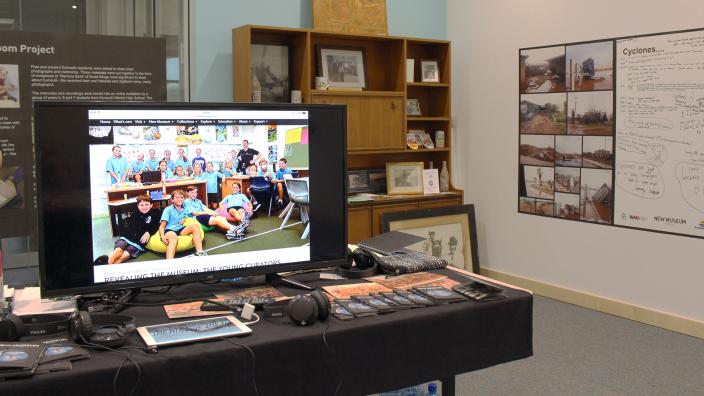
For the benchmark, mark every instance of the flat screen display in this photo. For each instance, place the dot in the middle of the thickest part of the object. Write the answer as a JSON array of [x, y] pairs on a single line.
[[226, 173]]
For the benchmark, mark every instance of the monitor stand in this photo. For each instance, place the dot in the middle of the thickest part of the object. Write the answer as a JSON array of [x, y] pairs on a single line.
[[126, 298], [276, 279]]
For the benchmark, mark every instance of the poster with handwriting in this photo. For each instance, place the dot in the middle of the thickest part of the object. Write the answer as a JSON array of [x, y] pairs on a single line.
[[659, 169]]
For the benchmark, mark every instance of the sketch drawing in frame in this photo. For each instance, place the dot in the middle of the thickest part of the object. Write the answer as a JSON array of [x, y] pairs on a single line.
[[272, 67], [450, 233], [429, 71], [345, 67], [357, 181], [404, 178], [413, 107]]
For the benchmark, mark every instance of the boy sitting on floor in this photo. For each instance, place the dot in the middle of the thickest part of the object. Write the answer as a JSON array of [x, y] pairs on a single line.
[[138, 228], [171, 226]]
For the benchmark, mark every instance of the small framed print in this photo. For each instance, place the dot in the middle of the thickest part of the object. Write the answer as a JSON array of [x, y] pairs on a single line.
[[404, 178], [412, 107], [357, 181], [429, 71], [344, 67], [431, 181]]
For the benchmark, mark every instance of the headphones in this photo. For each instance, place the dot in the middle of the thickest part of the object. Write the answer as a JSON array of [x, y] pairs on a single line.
[[303, 310], [106, 330], [13, 327], [360, 264]]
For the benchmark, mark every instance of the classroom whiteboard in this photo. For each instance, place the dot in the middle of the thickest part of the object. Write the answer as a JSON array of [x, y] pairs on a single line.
[[659, 153]]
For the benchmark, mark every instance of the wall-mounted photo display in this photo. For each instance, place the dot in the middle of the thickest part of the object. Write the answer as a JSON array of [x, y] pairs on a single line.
[[542, 69], [539, 181], [598, 152], [543, 113], [568, 151], [596, 195], [590, 113], [537, 150], [590, 66]]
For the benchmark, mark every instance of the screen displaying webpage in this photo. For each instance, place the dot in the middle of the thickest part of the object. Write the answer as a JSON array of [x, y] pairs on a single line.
[[176, 192]]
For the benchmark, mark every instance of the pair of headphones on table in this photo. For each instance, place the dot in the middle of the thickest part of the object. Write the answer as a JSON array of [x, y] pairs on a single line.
[[13, 327], [360, 264], [107, 330], [303, 310]]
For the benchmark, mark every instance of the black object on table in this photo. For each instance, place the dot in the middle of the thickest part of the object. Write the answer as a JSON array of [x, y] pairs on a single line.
[[354, 357]]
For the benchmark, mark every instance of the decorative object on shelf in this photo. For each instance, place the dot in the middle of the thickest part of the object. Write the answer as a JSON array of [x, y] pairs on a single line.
[[357, 181], [450, 233], [444, 178], [431, 182], [272, 67], [377, 180], [426, 140], [256, 89], [412, 140], [296, 96], [413, 107], [439, 139], [404, 178], [344, 67], [410, 64], [322, 83], [429, 71], [350, 16]]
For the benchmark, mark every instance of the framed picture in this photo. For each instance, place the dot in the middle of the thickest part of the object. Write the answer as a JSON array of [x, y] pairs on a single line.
[[413, 107], [450, 232], [404, 178], [271, 66], [345, 67], [429, 71], [357, 181], [377, 180]]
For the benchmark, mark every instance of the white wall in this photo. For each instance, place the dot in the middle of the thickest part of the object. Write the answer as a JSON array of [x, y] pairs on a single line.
[[657, 271]]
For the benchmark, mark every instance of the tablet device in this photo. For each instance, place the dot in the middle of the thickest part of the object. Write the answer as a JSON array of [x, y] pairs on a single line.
[[192, 330]]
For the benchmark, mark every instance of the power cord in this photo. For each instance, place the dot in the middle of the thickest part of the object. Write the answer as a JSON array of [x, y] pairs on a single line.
[[128, 357], [332, 355], [254, 362]]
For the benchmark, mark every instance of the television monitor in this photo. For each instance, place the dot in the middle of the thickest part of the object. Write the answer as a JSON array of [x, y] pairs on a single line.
[[84, 211]]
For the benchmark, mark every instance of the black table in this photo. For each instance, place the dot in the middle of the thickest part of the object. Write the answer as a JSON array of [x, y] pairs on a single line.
[[356, 357]]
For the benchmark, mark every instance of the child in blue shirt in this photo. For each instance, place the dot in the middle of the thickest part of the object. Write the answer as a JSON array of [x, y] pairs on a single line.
[[169, 162], [279, 179], [138, 167], [152, 162], [117, 166], [198, 159], [182, 161], [238, 206], [212, 177], [227, 168], [171, 226], [180, 173]]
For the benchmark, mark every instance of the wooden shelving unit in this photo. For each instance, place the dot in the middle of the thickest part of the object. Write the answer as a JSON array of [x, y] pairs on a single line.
[[377, 120]]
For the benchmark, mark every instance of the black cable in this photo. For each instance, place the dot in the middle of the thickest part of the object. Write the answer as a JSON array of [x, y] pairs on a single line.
[[163, 290], [332, 355], [254, 363], [128, 357]]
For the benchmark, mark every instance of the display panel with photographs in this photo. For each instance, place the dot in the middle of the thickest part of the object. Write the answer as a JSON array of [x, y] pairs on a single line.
[[566, 126]]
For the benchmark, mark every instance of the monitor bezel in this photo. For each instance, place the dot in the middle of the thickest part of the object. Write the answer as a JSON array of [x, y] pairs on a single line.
[[178, 279]]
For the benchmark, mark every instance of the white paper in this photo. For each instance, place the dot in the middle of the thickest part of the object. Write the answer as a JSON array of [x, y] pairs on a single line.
[[431, 182], [28, 301]]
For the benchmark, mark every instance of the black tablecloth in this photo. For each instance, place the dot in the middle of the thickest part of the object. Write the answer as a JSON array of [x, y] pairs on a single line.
[[362, 356]]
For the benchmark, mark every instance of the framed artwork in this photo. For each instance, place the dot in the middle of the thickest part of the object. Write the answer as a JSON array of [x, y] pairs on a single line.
[[357, 181], [429, 71], [351, 16], [271, 66], [344, 67], [413, 107], [377, 180], [450, 233], [404, 178]]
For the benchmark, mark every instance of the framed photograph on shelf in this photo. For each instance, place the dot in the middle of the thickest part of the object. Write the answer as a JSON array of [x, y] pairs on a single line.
[[429, 71], [344, 67], [450, 233], [357, 181], [377, 180], [412, 107], [271, 66], [404, 178]]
